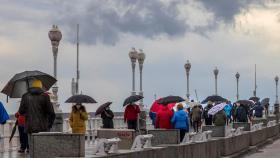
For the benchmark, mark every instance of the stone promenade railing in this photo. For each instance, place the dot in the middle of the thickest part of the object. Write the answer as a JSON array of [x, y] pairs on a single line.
[[92, 125]]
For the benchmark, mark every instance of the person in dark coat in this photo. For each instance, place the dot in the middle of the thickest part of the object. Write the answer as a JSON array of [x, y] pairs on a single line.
[[241, 113], [220, 118], [196, 117], [258, 110], [107, 118], [37, 108], [131, 116], [23, 137], [208, 118], [163, 118]]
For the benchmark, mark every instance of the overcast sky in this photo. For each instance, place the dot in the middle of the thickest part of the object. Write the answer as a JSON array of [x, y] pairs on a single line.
[[232, 35]]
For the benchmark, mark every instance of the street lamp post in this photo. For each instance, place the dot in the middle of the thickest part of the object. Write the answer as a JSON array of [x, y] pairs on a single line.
[[133, 55], [237, 75], [276, 105], [276, 84], [55, 37], [188, 68], [141, 58], [216, 72]]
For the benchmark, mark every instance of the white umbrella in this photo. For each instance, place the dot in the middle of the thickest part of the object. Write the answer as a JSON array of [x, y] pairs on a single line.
[[216, 108]]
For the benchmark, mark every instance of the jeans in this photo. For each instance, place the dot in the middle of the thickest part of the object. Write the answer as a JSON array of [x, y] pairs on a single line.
[[23, 138]]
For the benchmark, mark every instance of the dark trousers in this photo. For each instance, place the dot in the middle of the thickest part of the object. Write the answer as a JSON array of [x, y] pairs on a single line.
[[23, 138], [182, 134], [195, 126], [132, 124]]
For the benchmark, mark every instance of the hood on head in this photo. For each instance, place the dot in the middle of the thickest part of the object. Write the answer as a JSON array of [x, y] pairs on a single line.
[[35, 91]]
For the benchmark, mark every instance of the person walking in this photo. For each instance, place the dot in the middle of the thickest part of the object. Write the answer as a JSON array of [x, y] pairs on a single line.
[[196, 117], [23, 137], [37, 108], [77, 119], [163, 118], [228, 111], [241, 113], [258, 110], [107, 118], [208, 118], [180, 121], [4, 116], [220, 118], [266, 107], [131, 116]]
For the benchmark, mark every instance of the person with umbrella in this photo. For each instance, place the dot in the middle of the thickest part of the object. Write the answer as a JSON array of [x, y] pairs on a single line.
[[163, 118], [132, 111], [37, 108], [23, 136], [77, 119], [107, 118], [208, 118], [241, 113], [180, 121], [258, 108], [131, 115], [220, 118]]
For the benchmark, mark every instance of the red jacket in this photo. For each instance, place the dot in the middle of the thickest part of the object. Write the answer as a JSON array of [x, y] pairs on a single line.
[[21, 119], [164, 117], [131, 112]]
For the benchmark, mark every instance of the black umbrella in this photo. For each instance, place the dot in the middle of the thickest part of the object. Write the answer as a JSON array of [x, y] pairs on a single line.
[[102, 108], [20, 83], [170, 99], [248, 103], [214, 98], [13, 131], [80, 98], [265, 101], [132, 99], [255, 99]]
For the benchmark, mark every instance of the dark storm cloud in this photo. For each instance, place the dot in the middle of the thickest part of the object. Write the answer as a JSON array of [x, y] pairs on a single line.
[[104, 21]]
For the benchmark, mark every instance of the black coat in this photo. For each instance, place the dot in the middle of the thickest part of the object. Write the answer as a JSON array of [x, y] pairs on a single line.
[[107, 119], [38, 111]]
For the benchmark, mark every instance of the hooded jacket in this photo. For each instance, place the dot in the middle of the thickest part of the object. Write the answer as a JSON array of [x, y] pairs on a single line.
[[180, 120], [38, 111], [220, 118], [77, 120], [163, 118]]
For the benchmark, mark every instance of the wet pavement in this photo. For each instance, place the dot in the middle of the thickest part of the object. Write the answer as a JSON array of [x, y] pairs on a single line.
[[269, 151]]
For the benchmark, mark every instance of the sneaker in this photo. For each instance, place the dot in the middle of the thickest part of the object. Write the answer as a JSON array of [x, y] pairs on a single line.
[[21, 151]]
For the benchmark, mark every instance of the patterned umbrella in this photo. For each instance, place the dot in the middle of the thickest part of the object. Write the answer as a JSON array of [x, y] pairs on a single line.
[[216, 108]]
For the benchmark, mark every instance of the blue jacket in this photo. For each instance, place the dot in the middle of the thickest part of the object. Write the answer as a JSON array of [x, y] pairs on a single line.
[[228, 109], [153, 116], [180, 120], [3, 114]]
